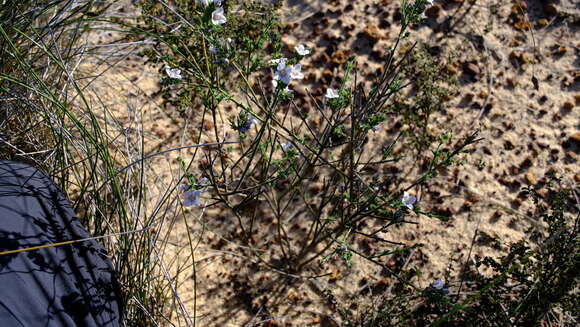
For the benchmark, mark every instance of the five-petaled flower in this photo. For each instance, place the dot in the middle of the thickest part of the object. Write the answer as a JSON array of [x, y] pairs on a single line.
[[302, 50], [408, 200], [217, 17], [331, 94], [173, 72], [285, 73]]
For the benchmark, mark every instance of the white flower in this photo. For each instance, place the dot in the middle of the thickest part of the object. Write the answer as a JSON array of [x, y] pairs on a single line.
[[277, 62], [296, 73], [173, 72], [219, 2], [285, 146], [217, 17], [192, 198], [408, 200], [204, 3], [302, 50], [212, 50], [429, 2], [331, 94], [376, 128]]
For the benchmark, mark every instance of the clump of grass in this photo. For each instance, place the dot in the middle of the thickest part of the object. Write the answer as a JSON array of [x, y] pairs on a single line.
[[49, 122]]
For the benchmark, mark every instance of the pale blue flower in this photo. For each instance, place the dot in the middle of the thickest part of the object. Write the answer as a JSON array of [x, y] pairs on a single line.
[[408, 200], [331, 94], [437, 284], [285, 146], [192, 198], [278, 62], [302, 50], [217, 17], [285, 73], [249, 122], [296, 73], [173, 72]]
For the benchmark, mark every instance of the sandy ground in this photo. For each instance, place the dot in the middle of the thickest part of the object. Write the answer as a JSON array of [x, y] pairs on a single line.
[[499, 50]]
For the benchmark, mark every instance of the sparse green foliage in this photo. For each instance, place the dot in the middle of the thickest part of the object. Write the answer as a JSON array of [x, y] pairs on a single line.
[[523, 288]]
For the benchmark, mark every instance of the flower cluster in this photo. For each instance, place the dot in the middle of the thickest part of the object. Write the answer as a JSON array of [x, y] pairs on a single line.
[[285, 72]]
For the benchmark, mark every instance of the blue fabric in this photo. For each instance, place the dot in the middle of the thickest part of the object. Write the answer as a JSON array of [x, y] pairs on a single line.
[[70, 285]]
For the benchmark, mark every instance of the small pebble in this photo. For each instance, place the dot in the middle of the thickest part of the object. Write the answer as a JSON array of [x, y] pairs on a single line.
[[372, 33], [560, 51], [550, 9], [542, 22], [531, 179], [472, 69], [433, 11]]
